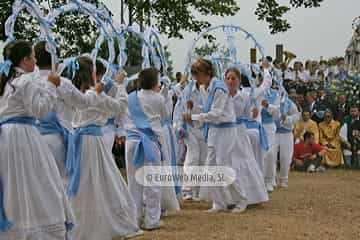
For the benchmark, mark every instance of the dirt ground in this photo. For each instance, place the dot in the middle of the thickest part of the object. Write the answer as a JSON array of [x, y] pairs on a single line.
[[320, 206]]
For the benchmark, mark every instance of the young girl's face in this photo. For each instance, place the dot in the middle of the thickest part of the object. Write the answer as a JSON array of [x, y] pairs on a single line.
[[28, 63], [232, 81], [202, 78]]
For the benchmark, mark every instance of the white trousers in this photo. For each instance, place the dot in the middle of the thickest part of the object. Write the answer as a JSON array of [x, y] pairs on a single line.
[[196, 154], [284, 145], [270, 156], [147, 198]]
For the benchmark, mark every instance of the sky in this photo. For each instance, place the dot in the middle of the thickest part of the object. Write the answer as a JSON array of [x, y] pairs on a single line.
[[324, 31], [316, 32]]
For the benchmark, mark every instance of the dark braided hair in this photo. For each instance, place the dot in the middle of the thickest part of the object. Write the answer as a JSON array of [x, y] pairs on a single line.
[[15, 52]]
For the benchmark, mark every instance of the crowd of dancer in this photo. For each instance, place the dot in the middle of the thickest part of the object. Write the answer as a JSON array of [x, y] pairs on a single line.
[[58, 177]]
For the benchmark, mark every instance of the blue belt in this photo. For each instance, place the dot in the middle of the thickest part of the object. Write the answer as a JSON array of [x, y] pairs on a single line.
[[5, 224], [223, 125], [51, 125], [144, 148], [262, 133], [283, 130], [73, 157], [110, 121]]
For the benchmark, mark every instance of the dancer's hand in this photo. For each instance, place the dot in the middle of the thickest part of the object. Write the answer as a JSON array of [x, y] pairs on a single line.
[[187, 117], [54, 79], [255, 112], [120, 77], [99, 87], [265, 103]]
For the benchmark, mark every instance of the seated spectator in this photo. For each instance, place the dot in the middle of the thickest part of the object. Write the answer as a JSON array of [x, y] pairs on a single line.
[[350, 137], [307, 155], [305, 124], [329, 132]]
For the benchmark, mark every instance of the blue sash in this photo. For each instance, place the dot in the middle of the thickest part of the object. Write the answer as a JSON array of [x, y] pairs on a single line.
[[262, 133], [167, 122], [110, 121], [143, 134], [5, 224], [73, 157], [51, 125], [217, 84]]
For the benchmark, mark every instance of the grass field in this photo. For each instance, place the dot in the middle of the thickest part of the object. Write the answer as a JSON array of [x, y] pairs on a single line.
[[320, 206]]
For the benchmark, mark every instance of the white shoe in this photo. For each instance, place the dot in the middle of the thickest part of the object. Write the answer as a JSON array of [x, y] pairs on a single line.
[[269, 188], [238, 209], [187, 197], [155, 226], [196, 199], [311, 169], [135, 234], [284, 184], [214, 210], [320, 169]]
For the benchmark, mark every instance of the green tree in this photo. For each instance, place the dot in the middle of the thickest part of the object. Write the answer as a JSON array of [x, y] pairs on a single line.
[[273, 12]]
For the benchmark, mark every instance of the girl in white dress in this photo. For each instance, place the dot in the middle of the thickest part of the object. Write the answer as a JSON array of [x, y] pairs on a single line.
[[56, 126], [219, 121], [33, 202], [100, 199], [250, 173]]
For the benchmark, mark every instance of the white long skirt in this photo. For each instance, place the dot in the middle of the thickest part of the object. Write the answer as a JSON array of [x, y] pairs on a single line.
[[103, 205], [222, 152], [55, 143], [169, 201], [109, 136], [34, 195], [251, 177], [258, 150]]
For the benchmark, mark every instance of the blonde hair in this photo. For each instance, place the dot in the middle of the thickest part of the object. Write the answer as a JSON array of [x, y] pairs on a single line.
[[203, 66]]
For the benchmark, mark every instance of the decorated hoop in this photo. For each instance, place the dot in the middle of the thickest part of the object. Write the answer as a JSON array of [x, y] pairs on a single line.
[[45, 26], [152, 36], [95, 14], [229, 30]]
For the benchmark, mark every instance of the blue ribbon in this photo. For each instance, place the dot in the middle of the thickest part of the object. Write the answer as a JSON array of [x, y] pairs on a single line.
[[73, 157], [262, 133], [168, 122], [5, 224], [110, 121], [5, 67], [217, 84], [143, 134], [73, 67], [51, 125], [109, 83]]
